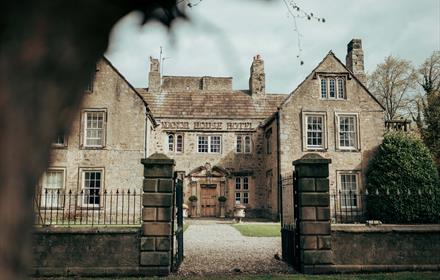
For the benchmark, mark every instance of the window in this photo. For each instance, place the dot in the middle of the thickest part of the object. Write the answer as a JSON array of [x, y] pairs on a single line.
[[209, 144], [323, 88], [60, 141], [315, 131], [268, 136], [175, 142], [90, 85], [348, 189], [215, 142], [332, 87], [171, 142], [52, 186], [243, 144], [91, 187], [203, 144], [94, 129], [241, 190], [347, 132], [341, 88]]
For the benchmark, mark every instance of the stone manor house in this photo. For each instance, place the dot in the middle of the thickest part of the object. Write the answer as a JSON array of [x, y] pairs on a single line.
[[226, 142]]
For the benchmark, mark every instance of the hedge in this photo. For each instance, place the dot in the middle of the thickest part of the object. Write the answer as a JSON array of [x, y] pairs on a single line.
[[402, 182]]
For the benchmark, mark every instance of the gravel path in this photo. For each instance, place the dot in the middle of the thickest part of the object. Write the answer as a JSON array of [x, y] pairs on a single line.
[[215, 247]]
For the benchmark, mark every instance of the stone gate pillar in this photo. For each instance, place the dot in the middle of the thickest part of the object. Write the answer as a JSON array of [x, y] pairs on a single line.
[[314, 214], [157, 211]]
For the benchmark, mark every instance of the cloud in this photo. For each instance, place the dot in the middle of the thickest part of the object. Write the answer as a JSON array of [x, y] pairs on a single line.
[[222, 37]]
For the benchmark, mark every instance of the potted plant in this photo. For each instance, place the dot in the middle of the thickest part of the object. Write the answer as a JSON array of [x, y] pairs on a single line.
[[193, 200], [222, 199]]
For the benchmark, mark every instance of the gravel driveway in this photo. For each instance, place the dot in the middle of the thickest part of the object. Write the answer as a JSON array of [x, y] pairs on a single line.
[[215, 247]]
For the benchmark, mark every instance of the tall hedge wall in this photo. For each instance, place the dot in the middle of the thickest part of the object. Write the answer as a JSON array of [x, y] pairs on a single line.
[[402, 182]]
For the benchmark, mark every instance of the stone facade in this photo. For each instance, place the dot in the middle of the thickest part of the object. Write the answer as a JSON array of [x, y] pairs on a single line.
[[310, 112], [194, 108], [109, 137], [231, 143]]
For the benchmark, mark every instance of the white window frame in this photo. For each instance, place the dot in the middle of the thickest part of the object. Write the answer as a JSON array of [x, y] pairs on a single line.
[[357, 145], [242, 190], [242, 143], [59, 190], [337, 87], [82, 202], [85, 128], [173, 146], [342, 192], [210, 138], [323, 146]]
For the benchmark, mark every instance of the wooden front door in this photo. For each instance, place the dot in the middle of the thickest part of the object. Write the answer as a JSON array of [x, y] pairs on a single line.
[[208, 200]]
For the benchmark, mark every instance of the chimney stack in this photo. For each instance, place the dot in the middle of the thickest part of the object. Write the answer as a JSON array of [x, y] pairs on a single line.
[[154, 76], [355, 59], [257, 79]]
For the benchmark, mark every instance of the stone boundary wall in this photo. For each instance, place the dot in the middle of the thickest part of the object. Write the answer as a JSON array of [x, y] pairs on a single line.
[[359, 248], [146, 250], [73, 251]]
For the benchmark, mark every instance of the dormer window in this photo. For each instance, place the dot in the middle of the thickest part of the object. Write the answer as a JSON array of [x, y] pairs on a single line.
[[332, 87]]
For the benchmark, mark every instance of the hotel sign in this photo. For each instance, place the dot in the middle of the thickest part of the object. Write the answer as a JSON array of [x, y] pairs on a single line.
[[206, 125]]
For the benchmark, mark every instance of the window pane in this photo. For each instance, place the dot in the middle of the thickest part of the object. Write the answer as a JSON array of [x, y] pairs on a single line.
[[94, 130], [245, 183], [348, 190], [324, 88], [332, 87], [92, 186], [239, 144], [179, 144], [341, 88], [53, 182], [202, 144], [237, 183], [237, 198], [347, 132], [247, 144], [245, 198], [170, 142], [315, 131], [215, 144]]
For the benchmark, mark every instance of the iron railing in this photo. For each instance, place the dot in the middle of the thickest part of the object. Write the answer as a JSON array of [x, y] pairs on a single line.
[[88, 208], [348, 207], [352, 207]]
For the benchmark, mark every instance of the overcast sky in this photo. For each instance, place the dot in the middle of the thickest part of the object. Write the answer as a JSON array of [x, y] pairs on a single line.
[[222, 36]]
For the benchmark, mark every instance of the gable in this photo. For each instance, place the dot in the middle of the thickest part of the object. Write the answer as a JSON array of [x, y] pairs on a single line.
[[331, 65]]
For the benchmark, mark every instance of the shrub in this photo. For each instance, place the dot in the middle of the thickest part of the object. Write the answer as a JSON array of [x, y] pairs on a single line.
[[222, 198], [402, 182]]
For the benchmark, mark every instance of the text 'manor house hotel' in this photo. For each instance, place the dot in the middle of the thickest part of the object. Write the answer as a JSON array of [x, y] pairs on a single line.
[[232, 143]]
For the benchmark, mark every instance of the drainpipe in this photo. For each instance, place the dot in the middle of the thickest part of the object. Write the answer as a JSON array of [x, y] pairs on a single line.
[[280, 201]]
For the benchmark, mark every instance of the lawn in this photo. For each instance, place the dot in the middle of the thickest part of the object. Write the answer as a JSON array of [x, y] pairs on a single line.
[[258, 230], [376, 276], [373, 276]]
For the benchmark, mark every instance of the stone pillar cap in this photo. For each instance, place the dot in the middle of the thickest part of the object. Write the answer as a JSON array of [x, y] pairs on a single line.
[[158, 158], [312, 158]]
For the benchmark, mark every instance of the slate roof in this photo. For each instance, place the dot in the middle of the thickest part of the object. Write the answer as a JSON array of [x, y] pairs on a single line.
[[237, 104]]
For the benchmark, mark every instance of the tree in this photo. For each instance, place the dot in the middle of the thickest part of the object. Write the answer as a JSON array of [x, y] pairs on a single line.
[[403, 182], [428, 105], [391, 84], [48, 50]]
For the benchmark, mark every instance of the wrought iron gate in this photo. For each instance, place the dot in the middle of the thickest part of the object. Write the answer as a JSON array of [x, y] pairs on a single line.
[[289, 220], [177, 239]]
